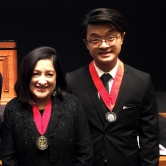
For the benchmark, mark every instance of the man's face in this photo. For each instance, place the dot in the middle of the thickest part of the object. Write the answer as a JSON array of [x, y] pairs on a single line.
[[104, 54]]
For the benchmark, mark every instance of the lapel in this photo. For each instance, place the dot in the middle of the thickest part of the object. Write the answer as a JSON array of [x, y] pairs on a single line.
[[92, 91], [122, 88], [29, 122], [55, 114]]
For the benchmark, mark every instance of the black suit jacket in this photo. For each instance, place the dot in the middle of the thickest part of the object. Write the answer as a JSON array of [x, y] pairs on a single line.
[[117, 142], [69, 137]]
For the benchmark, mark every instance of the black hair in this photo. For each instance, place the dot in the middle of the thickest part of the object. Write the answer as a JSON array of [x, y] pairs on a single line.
[[22, 85], [103, 16]]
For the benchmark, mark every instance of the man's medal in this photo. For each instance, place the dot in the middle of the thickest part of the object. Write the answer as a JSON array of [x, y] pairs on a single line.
[[108, 99], [111, 117]]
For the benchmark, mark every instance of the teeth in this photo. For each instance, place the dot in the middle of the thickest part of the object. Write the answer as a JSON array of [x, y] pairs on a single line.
[[41, 87]]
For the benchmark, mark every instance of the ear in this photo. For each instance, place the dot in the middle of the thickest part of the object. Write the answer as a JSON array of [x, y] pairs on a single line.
[[85, 41], [122, 37]]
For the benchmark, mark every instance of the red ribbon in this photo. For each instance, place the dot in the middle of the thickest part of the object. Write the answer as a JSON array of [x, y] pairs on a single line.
[[109, 99], [42, 121]]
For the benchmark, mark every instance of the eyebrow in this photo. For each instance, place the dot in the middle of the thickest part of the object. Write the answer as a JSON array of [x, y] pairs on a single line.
[[95, 34], [36, 70]]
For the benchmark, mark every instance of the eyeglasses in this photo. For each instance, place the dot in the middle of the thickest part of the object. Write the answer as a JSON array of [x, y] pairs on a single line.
[[110, 41]]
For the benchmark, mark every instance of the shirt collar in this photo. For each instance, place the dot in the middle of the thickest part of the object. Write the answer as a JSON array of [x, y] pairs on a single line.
[[111, 72]]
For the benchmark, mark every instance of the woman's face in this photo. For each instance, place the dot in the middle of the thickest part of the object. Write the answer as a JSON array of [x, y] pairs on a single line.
[[43, 80]]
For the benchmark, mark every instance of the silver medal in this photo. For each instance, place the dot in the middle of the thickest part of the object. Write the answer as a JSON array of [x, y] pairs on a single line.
[[111, 117], [42, 143]]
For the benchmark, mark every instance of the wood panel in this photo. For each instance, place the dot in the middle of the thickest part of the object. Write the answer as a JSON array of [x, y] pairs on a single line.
[[164, 115], [8, 68], [162, 161]]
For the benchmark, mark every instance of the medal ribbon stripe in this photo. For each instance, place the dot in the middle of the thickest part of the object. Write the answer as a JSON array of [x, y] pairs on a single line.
[[42, 121], [109, 99]]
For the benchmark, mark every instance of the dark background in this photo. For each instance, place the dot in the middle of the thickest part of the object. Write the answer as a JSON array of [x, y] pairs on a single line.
[[33, 23]]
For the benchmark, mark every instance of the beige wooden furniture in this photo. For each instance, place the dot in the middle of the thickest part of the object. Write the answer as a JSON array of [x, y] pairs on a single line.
[[8, 68]]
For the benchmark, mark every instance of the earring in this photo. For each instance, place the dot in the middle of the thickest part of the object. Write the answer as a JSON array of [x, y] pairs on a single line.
[[54, 93]]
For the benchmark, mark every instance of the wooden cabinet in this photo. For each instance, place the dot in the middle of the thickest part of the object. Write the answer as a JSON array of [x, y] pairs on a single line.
[[162, 161], [8, 68]]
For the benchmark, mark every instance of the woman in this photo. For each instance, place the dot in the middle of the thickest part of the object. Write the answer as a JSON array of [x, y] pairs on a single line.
[[44, 125]]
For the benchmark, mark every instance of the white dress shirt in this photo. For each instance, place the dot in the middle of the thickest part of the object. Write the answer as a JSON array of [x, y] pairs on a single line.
[[111, 72]]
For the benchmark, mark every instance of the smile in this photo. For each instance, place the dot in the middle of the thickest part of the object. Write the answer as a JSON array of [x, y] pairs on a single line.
[[41, 88], [105, 53]]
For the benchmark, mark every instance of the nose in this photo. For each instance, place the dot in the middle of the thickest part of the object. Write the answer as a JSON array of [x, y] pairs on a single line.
[[104, 44], [42, 80]]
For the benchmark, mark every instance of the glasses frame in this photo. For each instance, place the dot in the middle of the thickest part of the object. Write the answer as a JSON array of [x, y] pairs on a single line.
[[103, 40]]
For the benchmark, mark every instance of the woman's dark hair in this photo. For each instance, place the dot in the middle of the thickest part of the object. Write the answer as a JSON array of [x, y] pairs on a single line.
[[103, 16], [22, 85]]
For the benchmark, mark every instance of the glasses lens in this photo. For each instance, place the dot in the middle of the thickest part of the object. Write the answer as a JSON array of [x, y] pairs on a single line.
[[96, 42], [111, 41]]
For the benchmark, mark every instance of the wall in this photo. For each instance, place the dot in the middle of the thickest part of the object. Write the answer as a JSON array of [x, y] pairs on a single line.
[[33, 23]]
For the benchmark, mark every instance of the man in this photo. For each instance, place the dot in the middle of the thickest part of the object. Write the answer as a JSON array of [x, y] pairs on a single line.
[[128, 109]]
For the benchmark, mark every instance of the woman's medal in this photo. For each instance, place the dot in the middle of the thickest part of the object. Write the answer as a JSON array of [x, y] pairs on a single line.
[[41, 142], [41, 124]]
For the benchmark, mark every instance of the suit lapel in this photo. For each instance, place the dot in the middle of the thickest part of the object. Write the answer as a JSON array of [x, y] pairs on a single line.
[[92, 91], [122, 88]]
